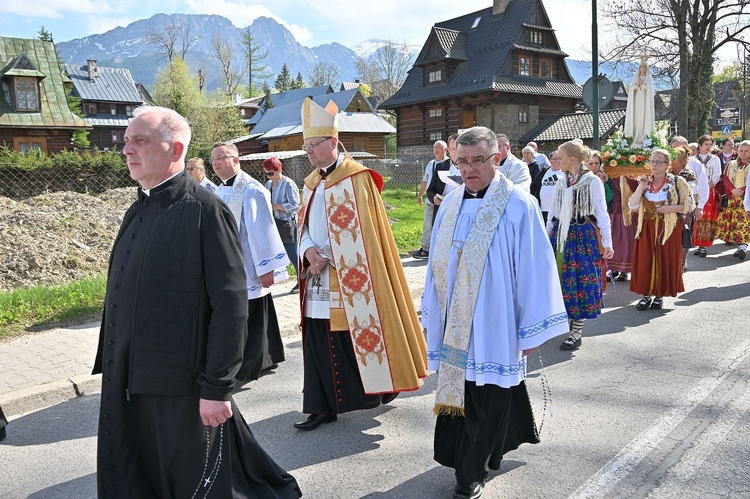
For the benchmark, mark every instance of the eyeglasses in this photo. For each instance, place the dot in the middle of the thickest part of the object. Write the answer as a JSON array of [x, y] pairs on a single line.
[[307, 147], [220, 158], [192, 168], [659, 162], [474, 164], [271, 173]]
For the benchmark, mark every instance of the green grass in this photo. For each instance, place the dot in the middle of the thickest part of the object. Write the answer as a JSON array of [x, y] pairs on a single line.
[[44, 307], [407, 217]]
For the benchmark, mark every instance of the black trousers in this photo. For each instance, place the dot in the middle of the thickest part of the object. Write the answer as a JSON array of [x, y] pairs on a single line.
[[496, 420], [264, 346], [332, 381]]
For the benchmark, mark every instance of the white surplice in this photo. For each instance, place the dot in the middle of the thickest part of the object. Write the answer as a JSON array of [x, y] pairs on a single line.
[[262, 248], [520, 303]]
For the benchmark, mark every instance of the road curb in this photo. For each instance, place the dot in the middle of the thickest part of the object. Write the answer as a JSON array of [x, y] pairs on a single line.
[[45, 395]]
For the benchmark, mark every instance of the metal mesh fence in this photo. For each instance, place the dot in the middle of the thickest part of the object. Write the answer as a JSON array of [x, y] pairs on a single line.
[[28, 180]]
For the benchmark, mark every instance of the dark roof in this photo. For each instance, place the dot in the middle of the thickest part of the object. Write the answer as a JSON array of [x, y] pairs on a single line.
[[574, 126], [538, 86], [486, 49], [291, 96], [55, 112], [109, 85]]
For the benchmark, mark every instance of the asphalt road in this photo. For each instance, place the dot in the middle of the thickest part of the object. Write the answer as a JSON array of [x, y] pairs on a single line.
[[654, 404]]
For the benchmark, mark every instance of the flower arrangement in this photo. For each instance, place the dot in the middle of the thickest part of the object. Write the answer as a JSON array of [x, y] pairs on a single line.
[[618, 152]]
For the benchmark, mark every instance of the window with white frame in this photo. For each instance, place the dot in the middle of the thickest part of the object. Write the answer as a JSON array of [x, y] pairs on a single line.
[[436, 75], [436, 112]]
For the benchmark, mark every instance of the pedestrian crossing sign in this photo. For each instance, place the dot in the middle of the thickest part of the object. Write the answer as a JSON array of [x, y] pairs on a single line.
[[726, 130]]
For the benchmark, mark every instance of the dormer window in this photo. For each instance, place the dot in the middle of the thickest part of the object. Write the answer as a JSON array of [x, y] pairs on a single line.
[[27, 94], [536, 37], [436, 76], [524, 65], [476, 22]]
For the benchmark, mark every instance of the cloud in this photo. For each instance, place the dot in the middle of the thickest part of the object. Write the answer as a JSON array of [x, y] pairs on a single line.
[[55, 9], [242, 15]]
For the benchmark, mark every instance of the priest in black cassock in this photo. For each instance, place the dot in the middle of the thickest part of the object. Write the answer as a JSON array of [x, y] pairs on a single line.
[[171, 338]]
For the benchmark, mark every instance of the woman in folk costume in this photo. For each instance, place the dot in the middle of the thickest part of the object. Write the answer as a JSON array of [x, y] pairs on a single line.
[[623, 236], [680, 168], [660, 200], [733, 226], [705, 228], [578, 210]]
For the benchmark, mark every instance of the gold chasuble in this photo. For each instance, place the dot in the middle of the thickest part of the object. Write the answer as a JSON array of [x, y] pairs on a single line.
[[369, 296]]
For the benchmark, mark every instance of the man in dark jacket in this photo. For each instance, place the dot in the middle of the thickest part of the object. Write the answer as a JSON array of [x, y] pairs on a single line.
[[171, 338], [437, 188]]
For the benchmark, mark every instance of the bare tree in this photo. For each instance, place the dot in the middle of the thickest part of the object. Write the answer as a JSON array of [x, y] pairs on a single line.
[[681, 38], [225, 52], [385, 70], [323, 73], [186, 40], [172, 37]]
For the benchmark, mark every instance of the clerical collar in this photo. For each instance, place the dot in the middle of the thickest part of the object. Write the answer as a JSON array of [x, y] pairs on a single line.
[[230, 181], [478, 195], [147, 192], [502, 161], [324, 172]]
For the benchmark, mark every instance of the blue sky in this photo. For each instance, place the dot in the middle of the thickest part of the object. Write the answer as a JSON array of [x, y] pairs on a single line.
[[313, 22]]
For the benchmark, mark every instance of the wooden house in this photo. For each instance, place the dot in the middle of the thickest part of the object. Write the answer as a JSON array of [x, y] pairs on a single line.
[[108, 97], [361, 129], [500, 67], [34, 111]]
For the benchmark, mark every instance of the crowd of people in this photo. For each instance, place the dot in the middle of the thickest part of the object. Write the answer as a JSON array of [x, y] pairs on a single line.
[[514, 260], [644, 227]]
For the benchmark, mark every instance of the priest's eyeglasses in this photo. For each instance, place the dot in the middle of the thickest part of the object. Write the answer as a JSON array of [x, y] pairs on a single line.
[[220, 158], [463, 164], [307, 147]]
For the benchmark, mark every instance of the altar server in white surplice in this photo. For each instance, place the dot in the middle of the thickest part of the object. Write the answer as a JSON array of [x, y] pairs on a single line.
[[492, 295], [264, 256]]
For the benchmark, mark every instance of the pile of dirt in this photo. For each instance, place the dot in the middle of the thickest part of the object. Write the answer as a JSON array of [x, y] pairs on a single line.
[[58, 237]]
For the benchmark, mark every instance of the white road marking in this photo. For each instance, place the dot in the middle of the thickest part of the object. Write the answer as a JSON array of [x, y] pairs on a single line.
[[672, 484], [623, 463]]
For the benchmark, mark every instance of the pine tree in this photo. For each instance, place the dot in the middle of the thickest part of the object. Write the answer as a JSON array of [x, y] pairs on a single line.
[[44, 35], [267, 101], [298, 82], [283, 80], [254, 59]]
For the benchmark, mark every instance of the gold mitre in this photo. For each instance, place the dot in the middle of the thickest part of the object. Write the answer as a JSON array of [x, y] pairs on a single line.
[[318, 121]]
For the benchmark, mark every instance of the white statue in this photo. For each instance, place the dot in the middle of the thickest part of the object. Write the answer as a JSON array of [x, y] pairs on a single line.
[[639, 115]]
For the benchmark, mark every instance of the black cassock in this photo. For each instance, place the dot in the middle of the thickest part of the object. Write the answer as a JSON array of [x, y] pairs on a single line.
[[172, 332]]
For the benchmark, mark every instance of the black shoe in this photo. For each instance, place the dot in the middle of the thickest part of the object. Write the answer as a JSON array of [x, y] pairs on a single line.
[[571, 343], [294, 290], [611, 276], [421, 253], [475, 493], [3, 433], [623, 276], [736, 253], [656, 304], [742, 254], [389, 397], [697, 252], [315, 420], [644, 303], [702, 252]]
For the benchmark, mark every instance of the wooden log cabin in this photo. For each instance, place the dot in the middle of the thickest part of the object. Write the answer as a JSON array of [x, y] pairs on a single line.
[[500, 67], [34, 111]]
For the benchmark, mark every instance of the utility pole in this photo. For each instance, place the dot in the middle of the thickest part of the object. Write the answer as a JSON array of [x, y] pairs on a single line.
[[595, 74]]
